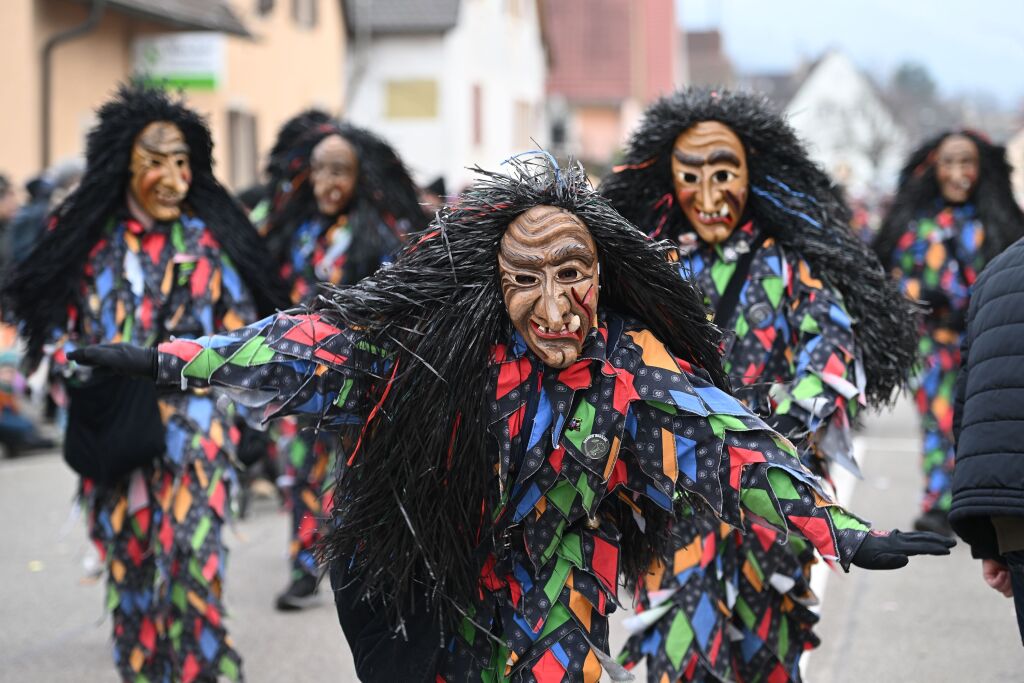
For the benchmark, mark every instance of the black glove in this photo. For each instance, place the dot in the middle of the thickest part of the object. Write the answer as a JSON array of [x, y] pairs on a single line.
[[124, 359], [892, 549]]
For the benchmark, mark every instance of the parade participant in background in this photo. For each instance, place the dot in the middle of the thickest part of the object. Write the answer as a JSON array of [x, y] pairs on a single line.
[[520, 432], [148, 246], [954, 212], [341, 202], [815, 333]]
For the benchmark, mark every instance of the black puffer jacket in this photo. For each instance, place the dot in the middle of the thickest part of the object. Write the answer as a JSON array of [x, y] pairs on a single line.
[[989, 411]]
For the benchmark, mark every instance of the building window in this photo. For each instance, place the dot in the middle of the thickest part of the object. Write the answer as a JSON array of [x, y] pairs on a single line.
[[478, 114], [304, 13], [410, 99], [264, 7], [242, 155]]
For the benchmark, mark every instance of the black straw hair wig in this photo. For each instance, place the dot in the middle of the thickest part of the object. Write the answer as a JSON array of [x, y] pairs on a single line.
[[42, 287], [918, 194], [790, 198], [415, 501], [384, 192]]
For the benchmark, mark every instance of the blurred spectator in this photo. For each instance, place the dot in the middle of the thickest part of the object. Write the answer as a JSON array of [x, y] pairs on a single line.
[[17, 433], [45, 191], [433, 197]]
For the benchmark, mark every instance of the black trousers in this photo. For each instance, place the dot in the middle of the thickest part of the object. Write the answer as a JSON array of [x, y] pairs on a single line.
[[377, 651], [1015, 561]]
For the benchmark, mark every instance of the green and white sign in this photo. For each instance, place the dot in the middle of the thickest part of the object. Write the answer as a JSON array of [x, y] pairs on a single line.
[[193, 60]]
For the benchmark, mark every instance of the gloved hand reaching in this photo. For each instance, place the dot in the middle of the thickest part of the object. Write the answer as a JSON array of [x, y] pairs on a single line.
[[892, 549], [124, 359]]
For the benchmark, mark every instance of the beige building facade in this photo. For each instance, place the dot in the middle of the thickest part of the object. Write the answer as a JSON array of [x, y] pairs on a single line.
[[273, 58]]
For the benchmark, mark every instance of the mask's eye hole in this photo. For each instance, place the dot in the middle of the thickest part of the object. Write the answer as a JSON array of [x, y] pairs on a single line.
[[526, 280], [568, 274], [723, 176], [688, 177]]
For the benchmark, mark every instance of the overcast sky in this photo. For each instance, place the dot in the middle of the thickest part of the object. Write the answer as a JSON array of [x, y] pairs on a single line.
[[967, 45]]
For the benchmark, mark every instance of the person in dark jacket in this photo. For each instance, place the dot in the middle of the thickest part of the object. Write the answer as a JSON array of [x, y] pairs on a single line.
[[988, 478]]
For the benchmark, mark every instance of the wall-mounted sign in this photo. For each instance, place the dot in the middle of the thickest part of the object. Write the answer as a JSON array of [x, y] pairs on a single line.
[[193, 60]]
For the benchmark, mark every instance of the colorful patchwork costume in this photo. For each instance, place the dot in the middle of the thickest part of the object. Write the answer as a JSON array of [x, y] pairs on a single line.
[[104, 273], [793, 354], [491, 502], [936, 249]]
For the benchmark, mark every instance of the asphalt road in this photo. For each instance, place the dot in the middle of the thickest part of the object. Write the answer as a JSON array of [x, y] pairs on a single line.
[[933, 621]]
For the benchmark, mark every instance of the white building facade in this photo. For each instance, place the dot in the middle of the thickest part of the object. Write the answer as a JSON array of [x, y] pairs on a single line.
[[449, 83], [847, 126]]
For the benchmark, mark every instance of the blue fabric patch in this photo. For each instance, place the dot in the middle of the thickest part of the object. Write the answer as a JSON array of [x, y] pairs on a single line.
[[686, 456], [529, 499], [704, 621], [652, 644], [559, 652], [658, 497], [688, 402], [208, 644], [839, 317], [542, 419], [200, 411], [630, 422], [718, 401], [750, 645]]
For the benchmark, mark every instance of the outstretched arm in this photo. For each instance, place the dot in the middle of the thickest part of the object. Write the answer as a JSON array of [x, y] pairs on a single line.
[[288, 363]]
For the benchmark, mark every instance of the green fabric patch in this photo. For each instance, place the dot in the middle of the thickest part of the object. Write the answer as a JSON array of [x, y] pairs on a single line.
[[113, 597], [680, 635], [782, 484], [773, 287], [178, 237], [202, 529], [204, 365], [178, 597], [808, 387], [783, 638], [808, 325], [844, 520], [585, 414], [664, 407], [558, 616], [584, 488], [721, 423], [229, 668], [557, 581], [343, 394], [252, 352], [760, 503], [562, 496], [746, 614], [556, 540], [742, 327], [721, 273], [298, 451], [572, 549]]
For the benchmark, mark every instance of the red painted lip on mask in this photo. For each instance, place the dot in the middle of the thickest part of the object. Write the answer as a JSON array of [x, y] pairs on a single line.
[[557, 336]]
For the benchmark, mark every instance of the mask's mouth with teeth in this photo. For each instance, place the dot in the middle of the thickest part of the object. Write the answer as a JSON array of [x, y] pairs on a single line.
[[572, 330], [722, 215]]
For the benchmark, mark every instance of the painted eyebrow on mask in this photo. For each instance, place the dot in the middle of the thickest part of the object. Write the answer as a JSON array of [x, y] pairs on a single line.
[[718, 156], [577, 251], [518, 259]]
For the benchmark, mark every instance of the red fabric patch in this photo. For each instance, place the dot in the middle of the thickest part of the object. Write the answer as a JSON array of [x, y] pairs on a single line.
[[210, 567], [488, 578], [153, 245], [816, 530], [190, 669], [166, 534], [576, 376], [212, 615], [707, 554], [208, 240], [778, 675], [691, 668], [181, 348], [716, 644], [555, 459], [143, 517], [310, 330], [135, 551], [834, 366], [307, 527], [325, 355], [147, 635], [548, 669], [146, 312], [511, 375], [624, 391], [515, 589], [683, 365], [200, 279], [766, 337], [605, 563], [766, 625], [515, 421], [765, 535], [738, 457], [217, 499], [618, 475]]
